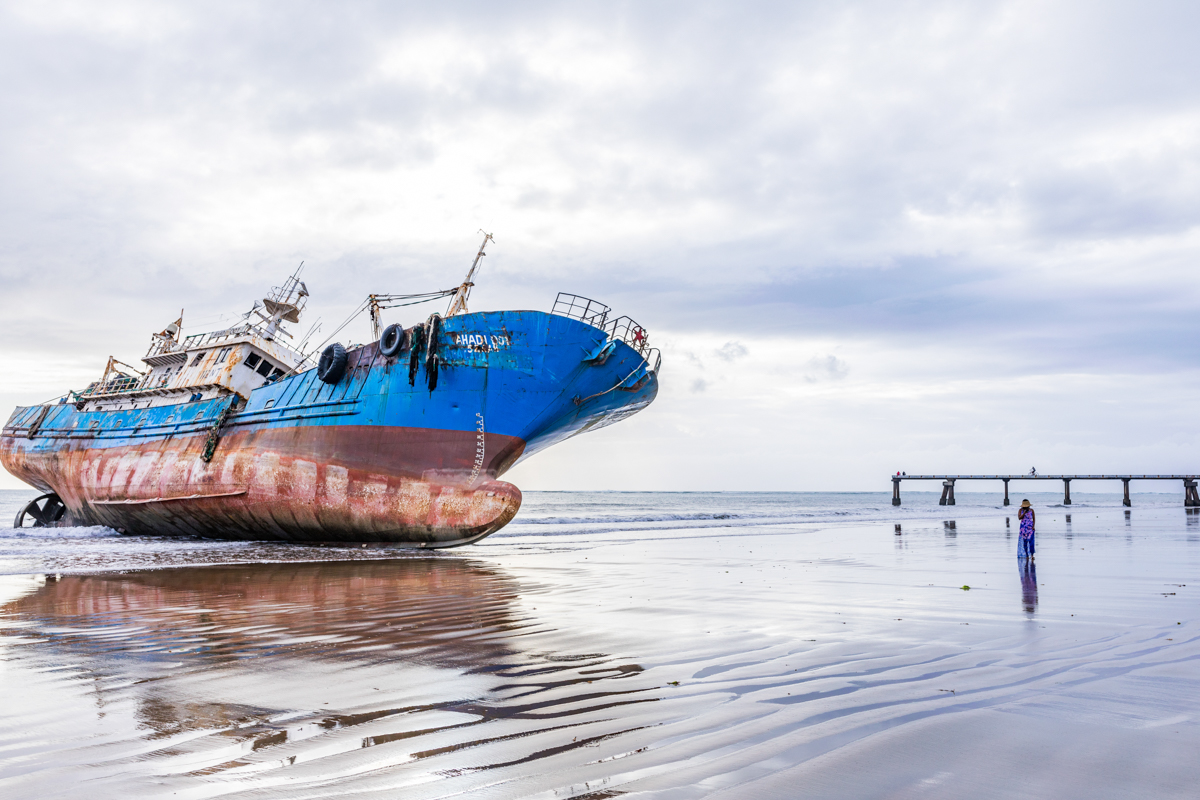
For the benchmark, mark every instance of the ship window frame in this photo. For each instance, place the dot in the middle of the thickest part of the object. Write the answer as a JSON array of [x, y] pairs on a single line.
[[199, 357], [276, 374], [252, 360], [224, 354]]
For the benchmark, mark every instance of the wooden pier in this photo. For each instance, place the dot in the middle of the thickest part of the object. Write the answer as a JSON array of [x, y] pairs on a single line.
[[1191, 499]]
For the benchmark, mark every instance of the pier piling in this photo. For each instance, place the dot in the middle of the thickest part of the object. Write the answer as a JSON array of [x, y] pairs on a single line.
[[1006, 491], [1126, 501], [1066, 491], [947, 493], [895, 491], [1190, 498]]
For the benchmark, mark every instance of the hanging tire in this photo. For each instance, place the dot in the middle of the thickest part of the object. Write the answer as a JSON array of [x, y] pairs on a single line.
[[41, 512], [391, 343], [332, 365]]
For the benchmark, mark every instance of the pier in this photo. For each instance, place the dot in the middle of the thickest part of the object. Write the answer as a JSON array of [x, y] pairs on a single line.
[[1191, 499]]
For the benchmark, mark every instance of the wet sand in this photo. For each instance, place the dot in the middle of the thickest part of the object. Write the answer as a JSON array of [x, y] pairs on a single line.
[[822, 660]]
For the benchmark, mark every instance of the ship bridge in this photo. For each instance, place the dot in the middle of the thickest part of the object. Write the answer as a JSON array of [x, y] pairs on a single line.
[[201, 366]]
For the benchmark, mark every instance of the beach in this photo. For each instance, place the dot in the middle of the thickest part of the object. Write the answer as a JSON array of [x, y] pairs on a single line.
[[604, 645]]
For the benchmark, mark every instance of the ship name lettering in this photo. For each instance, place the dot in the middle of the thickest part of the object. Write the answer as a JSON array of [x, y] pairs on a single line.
[[482, 341]]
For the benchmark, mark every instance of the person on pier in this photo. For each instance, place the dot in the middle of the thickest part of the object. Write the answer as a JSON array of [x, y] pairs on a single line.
[[1025, 543]]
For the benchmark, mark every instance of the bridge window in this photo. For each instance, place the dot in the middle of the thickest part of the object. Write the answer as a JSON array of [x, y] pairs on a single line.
[[252, 360], [265, 368], [199, 357]]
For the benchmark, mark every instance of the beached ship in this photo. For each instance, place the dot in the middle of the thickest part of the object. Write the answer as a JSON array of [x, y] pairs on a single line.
[[237, 434]]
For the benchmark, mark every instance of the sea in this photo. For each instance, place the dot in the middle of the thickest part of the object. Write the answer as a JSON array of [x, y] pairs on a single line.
[[612, 644]]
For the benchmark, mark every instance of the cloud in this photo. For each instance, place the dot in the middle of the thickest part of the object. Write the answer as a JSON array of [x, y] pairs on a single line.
[[821, 368], [973, 190], [732, 351]]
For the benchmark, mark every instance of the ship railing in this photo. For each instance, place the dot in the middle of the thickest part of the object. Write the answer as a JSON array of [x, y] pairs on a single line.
[[653, 359], [161, 346], [216, 337], [122, 384], [593, 312], [628, 331]]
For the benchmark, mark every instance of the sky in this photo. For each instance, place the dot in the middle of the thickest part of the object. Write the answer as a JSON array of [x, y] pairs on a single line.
[[922, 236]]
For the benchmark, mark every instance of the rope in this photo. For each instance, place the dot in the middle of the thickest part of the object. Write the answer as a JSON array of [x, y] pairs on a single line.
[[363, 306]]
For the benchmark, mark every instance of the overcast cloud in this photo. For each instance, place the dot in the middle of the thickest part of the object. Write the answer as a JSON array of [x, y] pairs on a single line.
[[868, 236]]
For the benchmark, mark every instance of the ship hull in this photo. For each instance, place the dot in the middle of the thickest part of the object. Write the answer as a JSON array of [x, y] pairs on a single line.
[[390, 453]]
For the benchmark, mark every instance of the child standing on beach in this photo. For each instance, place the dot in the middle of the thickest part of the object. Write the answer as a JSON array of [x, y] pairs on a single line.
[[1025, 544]]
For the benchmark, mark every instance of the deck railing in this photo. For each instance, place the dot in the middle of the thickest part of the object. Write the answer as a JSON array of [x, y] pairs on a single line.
[[215, 337], [626, 330], [593, 312]]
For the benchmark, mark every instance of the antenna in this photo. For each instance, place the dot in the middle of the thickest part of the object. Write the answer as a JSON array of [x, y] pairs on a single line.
[[459, 304]]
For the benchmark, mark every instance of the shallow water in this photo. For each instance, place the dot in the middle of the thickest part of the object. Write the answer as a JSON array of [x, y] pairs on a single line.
[[611, 644]]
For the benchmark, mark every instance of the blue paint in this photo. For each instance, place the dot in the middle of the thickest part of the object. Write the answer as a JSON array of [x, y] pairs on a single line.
[[527, 374]]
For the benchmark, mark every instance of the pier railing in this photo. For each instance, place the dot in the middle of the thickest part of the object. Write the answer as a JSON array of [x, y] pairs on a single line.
[[1191, 497]]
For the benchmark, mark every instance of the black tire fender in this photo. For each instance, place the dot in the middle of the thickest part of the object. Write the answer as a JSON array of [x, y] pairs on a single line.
[[332, 365], [393, 341]]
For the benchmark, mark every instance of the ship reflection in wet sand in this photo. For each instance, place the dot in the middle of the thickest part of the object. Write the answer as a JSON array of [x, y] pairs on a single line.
[[676, 646], [421, 651]]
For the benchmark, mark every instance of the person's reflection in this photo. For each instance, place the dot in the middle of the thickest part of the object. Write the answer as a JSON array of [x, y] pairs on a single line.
[[1028, 571]]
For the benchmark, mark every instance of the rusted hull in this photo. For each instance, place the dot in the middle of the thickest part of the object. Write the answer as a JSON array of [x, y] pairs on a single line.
[[350, 483], [385, 455]]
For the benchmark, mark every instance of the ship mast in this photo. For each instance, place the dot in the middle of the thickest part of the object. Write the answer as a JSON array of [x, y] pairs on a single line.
[[284, 304], [459, 304]]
